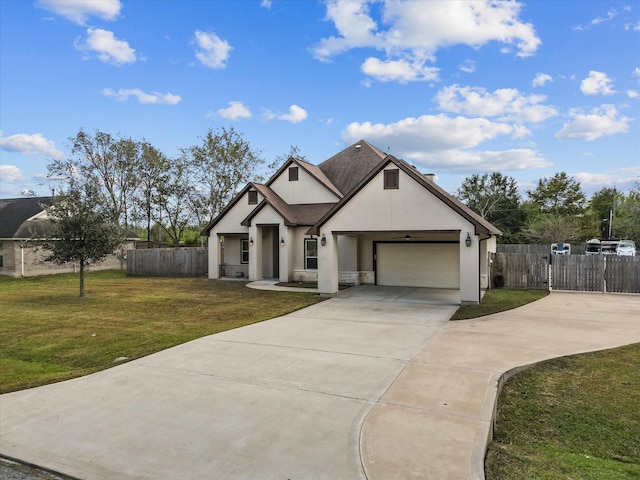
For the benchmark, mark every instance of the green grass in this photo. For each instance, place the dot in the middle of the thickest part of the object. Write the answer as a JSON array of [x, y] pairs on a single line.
[[498, 300], [48, 333], [570, 418]]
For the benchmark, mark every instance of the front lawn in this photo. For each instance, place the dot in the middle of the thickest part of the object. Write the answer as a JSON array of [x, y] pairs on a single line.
[[49, 334], [570, 418], [499, 300]]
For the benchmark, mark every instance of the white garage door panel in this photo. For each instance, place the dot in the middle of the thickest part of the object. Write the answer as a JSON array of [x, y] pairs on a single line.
[[433, 265]]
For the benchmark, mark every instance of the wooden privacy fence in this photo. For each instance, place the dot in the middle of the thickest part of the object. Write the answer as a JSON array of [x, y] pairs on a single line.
[[520, 270], [168, 262], [584, 273], [596, 273]]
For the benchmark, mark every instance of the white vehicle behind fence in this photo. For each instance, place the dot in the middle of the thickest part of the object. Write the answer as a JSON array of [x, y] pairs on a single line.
[[626, 248], [593, 247], [560, 248]]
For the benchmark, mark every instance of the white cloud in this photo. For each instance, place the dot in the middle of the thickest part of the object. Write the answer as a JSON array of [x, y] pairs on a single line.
[[412, 32], [34, 144], [108, 48], [482, 161], [78, 11], [621, 178], [601, 121], [596, 83], [632, 93], [11, 174], [636, 71], [296, 114], [265, 3], [399, 70], [444, 143], [429, 133], [212, 51], [123, 95], [541, 79], [355, 26], [468, 66], [611, 14], [506, 104], [234, 111]]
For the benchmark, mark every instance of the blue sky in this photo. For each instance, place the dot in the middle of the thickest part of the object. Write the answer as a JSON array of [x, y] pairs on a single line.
[[529, 89]]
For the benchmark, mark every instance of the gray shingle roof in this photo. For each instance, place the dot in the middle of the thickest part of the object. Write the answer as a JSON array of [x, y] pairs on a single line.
[[14, 212], [344, 174], [293, 215], [348, 167]]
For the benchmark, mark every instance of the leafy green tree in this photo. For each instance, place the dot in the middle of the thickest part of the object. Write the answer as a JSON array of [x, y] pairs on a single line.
[[626, 223], [173, 199], [152, 171], [82, 230], [602, 205], [494, 197], [221, 164], [558, 195]]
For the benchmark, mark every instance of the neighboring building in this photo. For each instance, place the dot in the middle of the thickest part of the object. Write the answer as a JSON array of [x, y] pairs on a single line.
[[22, 222], [360, 217]]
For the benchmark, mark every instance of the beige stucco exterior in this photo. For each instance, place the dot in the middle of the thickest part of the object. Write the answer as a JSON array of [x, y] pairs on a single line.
[[306, 189], [348, 234]]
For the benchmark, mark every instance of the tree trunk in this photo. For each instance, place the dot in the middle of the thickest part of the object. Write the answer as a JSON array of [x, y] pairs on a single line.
[[82, 278]]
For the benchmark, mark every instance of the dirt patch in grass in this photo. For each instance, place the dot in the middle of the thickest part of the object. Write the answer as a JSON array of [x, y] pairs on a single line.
[[48, 333]]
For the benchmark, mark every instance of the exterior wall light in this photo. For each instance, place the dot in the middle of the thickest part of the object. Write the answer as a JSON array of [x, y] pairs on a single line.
[[323, 240], [251, 242], [282, 241], [467, 240]]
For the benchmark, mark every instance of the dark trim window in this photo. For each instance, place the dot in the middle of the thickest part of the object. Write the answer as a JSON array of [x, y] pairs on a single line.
[[253, 197], [391, 179], [310, 254], [293, 174], [244, 250]]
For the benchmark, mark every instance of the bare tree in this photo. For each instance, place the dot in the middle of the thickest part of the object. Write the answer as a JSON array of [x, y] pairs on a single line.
[[108, 163]]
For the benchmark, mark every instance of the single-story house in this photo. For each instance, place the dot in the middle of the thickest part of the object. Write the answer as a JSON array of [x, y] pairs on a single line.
[[22, 222], [360, 217]]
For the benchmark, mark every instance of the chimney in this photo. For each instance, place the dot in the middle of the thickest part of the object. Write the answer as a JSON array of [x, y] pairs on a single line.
[[430, 176]]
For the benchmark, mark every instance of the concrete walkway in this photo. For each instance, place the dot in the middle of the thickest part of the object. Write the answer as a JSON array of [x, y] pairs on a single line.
[[370, 384]]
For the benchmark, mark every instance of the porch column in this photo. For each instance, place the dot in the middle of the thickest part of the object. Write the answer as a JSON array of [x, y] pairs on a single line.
[[286, 252], [255, 253], [213, 256], [469, 268], [328, 264]]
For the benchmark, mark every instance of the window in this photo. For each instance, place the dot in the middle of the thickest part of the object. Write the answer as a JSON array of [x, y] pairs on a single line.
[[310, 254], [253, 197], [391, 179], [244, 250], [293, 174]]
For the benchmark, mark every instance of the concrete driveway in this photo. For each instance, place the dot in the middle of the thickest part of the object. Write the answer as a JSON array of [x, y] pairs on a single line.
[[372, 384], [282, 399]]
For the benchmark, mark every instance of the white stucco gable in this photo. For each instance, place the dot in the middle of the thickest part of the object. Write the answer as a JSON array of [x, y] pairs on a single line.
[[410, 207], [296, 185]]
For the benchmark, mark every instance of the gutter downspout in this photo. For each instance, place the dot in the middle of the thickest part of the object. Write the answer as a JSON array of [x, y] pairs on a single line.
[[21, 260], [480, 269]]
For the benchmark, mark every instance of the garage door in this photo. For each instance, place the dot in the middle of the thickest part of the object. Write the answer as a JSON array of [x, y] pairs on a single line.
[[433, 265]]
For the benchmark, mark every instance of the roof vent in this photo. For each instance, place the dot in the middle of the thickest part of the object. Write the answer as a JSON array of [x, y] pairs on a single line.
[[358, 147]]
